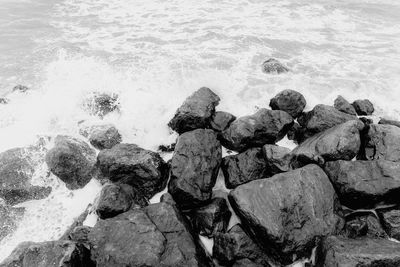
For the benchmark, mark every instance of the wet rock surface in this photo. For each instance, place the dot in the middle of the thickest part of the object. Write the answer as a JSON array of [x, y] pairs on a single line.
[[104, 136], [273, 66], [290, 101], [196, 112], [194, 168], [288, 213], [277, 159], [363, 107], [343, 105], [263, 127], [221, 120]]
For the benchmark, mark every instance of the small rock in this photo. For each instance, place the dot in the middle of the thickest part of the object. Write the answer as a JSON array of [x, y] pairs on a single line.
[[290, 101], [277, 159], [80, 234], [343, 105], [263, 127], [364, 225], [391, 222], [390, 122], [273, 66], [9, 217], [221, 120], [4, 100], [104, 136], [196, 112], [20, 88], [101, 104], [167, 148], [363, 107], [167, 198]]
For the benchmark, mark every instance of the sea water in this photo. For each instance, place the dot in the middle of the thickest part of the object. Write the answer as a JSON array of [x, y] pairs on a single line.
[[153, 54]]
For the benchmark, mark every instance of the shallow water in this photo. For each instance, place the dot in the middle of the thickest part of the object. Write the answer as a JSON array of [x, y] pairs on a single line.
[[155, 53]]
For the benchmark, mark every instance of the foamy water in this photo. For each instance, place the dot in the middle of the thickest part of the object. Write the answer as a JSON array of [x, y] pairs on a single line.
[[155, 53]]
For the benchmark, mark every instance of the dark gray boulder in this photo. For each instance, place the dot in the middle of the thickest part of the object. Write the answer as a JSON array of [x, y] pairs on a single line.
[[101, 104], [51, 253], [143, 169], [221, 120], [343, 105], [288, 213], [236, 245], [194, 168], [277, 159], [290, 101], [115, 199], [391, 222], [365, 224], [339, 251], [104, 136], [71, 160], [263, 127], [196, 112], [365, 184], [9, 217], [363, 107], [244, 167], [390, 122], [339, 142], [211, 218], [273, 66], [80, 234]]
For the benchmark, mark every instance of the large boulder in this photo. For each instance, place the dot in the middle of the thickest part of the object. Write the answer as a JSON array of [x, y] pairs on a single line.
[[273, 66], [391, 222], [143, 169], [343, 105], [277, 159], [365, 184], [221, 120], [237, 245], [381, 141], [340, 142], [101, 104], [339, 251], [321, 118], [290, 101], [9, 217], [71, 160], [288, 213], [104, 136], [194, 167], [51, 253], [363, 107], [244, 167], [196, 112], [263, 127]]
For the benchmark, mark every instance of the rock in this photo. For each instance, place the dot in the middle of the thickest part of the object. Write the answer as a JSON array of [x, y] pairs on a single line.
[[20, 88], [363, 107], [143, 169], [17, 167], [290, 101], [194, 168], [390, 122], [295, 133], [212, 218], [288, 213], [343, 105], [80, 234], [339, 251], [277, 159], [51, 253], [391, 223], [167, 148], [273, 66], [340, 142], [244, 167], [247, 263], [221, 120], [364, 225], [235, 246], [196, 112], [263, 127], [321, 118], [101, 104], [381, 141], [115, 199], [364, 184], [9, 217], [4, 100], [104, 136], [71, 160], [167, 198]]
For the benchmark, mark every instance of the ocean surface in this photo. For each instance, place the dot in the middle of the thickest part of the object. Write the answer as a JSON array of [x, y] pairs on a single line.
[[153, 54]]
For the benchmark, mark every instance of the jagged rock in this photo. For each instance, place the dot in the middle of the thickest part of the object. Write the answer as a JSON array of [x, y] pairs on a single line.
[[343, 105], [196, 112], [273, 66], [288, 213], [391, 223], [17, 167], [221, 120], [194, 167], [339, 251], [244, 167], [363, 107], [364, 225], [290, 101], [71, 160], [20, 88], [339, 142], [117, 198], [212, 218], [263, 127], [236, 245], [143, 169], [51, 253], [295, 133], [364, 184], [80, 234], [101, 104], [104, 136], [9, 217], [321, 118], [381, 141], [277, 159], [390, 122]]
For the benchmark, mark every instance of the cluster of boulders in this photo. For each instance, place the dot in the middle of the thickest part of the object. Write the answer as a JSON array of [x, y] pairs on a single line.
[[336, 193]]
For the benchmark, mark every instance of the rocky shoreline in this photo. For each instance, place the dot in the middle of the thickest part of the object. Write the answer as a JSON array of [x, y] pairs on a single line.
[[333, 199]]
